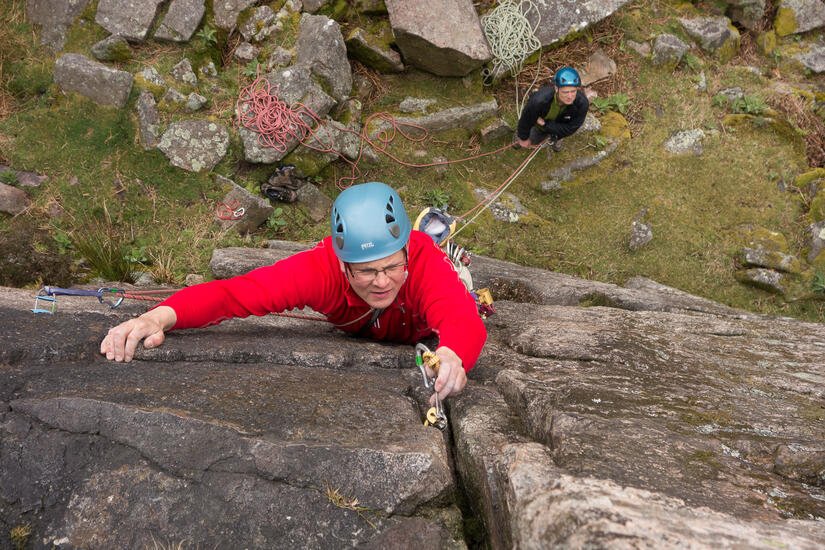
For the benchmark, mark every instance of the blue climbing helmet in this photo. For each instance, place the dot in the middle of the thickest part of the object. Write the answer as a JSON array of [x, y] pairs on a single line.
[[368, 223], [567, 76]]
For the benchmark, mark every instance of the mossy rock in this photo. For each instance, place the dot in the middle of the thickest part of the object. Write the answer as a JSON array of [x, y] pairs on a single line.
[[307, 163], [141, 84], [766, 42], [726, 51], [615, 126], [765, 239], [785, 22], [817, 210], [336, 10], [802, 180]]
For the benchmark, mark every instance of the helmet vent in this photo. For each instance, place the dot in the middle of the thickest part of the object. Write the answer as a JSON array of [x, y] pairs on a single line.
[[339, 242], [389, 218], [395, 230], [339, 228]]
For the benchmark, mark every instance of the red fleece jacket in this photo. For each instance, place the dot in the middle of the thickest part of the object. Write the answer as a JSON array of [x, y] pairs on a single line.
[[431, 301]]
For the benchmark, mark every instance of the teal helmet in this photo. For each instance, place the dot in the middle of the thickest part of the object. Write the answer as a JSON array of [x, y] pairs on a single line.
[[368, 223], [567, 76]]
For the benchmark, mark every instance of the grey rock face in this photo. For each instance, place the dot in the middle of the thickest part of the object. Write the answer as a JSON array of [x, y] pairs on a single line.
[[317, 204], [444, 38], [54, 17], [182, 72], [126, 18], [668, 50], [561, 18], [13, 200], [373, 54], [181, 21], [294, 84], [148, 120], [77, 73], [770, 259], [321, 48], [747, 13], [807, 14], [259, 25], [416, 104], [256, 209], [813, 59], [685, 142], [113, 48], [227, 11], [194, 145]]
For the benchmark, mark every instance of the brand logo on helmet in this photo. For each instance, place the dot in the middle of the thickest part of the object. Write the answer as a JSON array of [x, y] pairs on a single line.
[[367, 245]]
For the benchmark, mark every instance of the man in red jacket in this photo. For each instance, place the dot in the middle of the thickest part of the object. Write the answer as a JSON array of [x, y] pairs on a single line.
[[373, 277]]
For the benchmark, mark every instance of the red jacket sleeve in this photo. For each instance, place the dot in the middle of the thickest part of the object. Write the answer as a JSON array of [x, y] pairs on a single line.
[[301, 280], [443, 299]]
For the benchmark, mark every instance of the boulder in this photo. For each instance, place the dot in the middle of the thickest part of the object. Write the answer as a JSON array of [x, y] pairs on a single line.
[[194, 145], [25, 179], [54, 17], [668, 51], [173, 98], [331, 141], [816, 240], [641, 48], [195, 101], [246, 51], [148, 120], [318, 205], [770, 259], [293, 84], [686, 142], [226, 12], [259, 25], [208, 69], [567, 171], [321, 47], [813, 59], [715, 35], [181, 20], [279, 58], [416, 104], [506, 208], [129, 19], [468, 117], [13, 201], [373, 50], [640, 235], [495, 130], [444, 38], [797, 16], [77, 73], [747, 13], [256, 209], [557, 20], [598, 67], [113, 48], [766, 279]]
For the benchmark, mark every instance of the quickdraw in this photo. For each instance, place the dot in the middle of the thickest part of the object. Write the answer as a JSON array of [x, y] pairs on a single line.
[[48, 293], [425, 358]]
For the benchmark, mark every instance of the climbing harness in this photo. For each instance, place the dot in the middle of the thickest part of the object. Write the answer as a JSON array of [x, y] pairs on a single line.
[[231, 211], [425, 358], [512, 40]]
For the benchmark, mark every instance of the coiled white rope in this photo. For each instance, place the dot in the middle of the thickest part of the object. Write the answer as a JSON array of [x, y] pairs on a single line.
[[512, 40]]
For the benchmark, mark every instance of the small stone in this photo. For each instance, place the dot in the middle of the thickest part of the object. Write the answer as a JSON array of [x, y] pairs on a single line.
[[640, 235], [279, 58], [182, 72], [686, 141], [641, 48], [151, 76], [246, 51], [208, 70], [193, 279], [195, 101], [113, 48], [174, 97], [733, 94]]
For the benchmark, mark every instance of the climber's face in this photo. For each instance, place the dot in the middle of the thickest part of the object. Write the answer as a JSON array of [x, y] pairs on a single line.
[[566, 94]]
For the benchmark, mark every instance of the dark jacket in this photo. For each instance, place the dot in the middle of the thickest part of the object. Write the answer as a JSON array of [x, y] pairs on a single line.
[[568, 121]]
